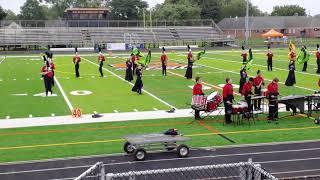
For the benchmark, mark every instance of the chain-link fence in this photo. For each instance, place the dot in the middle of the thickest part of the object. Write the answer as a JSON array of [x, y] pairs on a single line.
[[236, 171], [96, 172]]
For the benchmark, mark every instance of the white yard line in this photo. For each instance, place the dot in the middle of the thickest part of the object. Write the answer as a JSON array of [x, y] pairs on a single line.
[[4, 58], [233, 72], [147, 92], [65, 97]]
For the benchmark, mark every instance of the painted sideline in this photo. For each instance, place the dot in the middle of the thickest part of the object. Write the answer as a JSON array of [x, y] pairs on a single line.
[[63, 94]]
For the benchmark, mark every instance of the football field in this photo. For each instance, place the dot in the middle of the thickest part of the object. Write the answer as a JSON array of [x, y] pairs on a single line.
[[22, 88]]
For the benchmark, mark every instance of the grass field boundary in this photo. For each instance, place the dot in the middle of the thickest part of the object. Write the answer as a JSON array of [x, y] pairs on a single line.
[[121, 140], [233, 72], [65, 97], [147, 92]]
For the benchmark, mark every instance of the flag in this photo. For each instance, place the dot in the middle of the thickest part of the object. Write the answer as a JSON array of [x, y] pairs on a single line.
[[303, 56], [136, 52], [201, 54], [145, 60]]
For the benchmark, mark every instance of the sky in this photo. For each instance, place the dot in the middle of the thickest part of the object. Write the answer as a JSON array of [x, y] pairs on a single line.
[[264, 5]]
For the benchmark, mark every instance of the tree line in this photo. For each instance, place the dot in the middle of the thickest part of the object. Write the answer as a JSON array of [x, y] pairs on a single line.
[[134, 9]]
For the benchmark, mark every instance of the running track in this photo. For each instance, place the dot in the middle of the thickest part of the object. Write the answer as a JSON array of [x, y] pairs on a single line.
[[282, 160]]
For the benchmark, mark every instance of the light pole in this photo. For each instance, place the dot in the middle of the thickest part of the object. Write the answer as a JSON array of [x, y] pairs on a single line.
[[247, 24]]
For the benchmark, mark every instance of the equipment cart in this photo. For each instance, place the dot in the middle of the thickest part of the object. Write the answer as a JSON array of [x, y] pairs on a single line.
[[138, 144]]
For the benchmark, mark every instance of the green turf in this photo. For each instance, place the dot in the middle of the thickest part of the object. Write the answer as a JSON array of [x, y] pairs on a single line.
[[17, 142]]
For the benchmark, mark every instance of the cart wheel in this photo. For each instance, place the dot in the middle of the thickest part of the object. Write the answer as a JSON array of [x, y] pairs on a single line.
[[183, 150], [140, 154], [128, 148]]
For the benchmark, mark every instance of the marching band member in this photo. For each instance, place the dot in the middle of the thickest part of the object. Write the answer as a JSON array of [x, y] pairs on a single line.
[[247, 92], [243, 78], [292, 55], [318, 58], [197, 90], [138, 84], [227, 93], [101, 59], [291, 79], [272, 95], [129, 74], [164, 62], [47, 75], [76, 61], [305, 54], [53, 67], [258, 83], [188, 74], [269, 60], [244, 55]]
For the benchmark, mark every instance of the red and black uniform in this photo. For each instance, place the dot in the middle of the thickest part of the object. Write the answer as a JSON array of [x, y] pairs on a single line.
[[101, 59], [318, 61], [269, 60], [247, 92], [272, 95], [76, 61], [244, 55], [53, 67], [47, 77], [134, 60], [227, 93], [188, 74], [197, 90], [164, 61], [258, 82]]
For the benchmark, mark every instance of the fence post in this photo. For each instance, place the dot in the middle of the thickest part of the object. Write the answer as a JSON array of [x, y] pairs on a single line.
[[249, 171], [257, 174], [102, 172]]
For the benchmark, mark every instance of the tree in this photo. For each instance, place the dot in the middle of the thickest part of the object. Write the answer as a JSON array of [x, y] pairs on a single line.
[[177, 10], [288, 10], [210, 9], [127, 9], [32, 10], [10, 15], [3, 13], [233, 8]]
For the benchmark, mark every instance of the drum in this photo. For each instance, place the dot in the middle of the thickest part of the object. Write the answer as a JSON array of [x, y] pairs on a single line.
[[214, 103], [211, 96], [240, 107]]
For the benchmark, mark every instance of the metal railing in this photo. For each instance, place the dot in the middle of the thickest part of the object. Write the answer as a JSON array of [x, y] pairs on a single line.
[[238, 171], [106, 23]]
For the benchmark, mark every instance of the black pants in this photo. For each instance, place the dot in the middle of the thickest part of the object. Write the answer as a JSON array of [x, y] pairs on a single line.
[[76, 67], [248, 100], [100, 68], [164, 70], [244, 60], [305, 65], [47, 84], [318, 63], [196, 114], [257, 103], [134, 68], [269, 65], [227, 112], [273, 109]]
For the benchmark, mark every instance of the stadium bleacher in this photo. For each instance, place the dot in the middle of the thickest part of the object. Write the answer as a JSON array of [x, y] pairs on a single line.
[[82, 36]]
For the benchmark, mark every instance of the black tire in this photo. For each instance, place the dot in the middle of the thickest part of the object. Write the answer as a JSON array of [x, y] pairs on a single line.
[[128, 148], [183, 150], [140, 154]]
